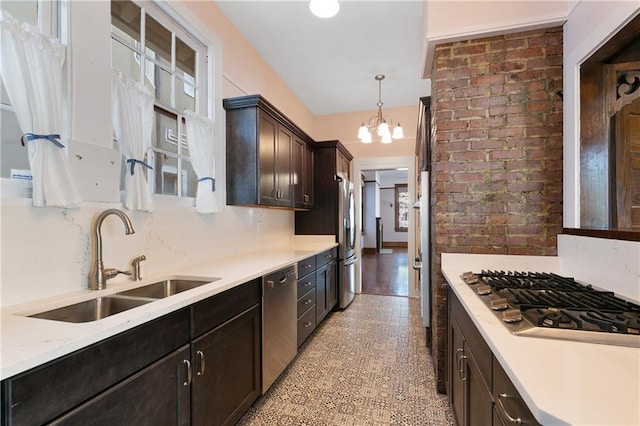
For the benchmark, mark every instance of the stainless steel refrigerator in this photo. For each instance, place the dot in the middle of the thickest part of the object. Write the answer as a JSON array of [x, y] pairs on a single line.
[[333, 212]]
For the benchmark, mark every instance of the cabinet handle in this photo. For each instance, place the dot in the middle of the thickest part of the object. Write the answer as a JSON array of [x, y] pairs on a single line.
[[200, 355], [502, 408], [188, 364], [283, 280], [307, 266], [460, 365], [307, 284], [307, 302], [307, 324]]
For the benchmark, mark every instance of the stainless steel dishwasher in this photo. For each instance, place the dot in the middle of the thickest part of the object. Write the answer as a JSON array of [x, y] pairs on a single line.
[[279, 328]]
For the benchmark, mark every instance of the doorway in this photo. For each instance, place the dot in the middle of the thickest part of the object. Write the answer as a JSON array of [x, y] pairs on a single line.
[[387, 271]]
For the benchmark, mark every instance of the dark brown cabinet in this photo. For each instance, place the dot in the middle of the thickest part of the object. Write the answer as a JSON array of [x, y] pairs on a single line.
[[326, 283], [198, 365], [333, 162], [268, 157], [480, 393], [302, 174]]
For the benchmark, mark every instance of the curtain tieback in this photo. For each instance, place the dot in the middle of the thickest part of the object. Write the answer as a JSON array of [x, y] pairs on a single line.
[[213, 182], [53, 138], [133, 163]]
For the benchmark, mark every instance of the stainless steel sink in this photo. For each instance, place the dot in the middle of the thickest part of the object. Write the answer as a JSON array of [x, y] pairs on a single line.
[[166, 288], [91, 310]]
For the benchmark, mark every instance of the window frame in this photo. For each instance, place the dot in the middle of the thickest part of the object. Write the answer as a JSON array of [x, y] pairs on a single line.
[[178, 29]]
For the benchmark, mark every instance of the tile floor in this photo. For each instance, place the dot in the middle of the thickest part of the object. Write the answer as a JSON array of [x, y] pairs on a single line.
[[367, 365]]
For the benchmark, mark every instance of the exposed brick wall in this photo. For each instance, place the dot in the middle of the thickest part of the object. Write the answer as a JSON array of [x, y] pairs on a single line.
[[496, 153]]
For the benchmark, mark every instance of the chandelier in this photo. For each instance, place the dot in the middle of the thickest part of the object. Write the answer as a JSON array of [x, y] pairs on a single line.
[[379, 123]]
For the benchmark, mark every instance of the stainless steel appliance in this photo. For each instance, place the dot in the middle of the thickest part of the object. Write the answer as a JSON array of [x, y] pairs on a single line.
[[551, 306], [347, 241], [279, 323]]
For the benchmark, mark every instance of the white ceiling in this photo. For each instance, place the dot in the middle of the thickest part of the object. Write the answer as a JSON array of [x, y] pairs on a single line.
[[330, 64]]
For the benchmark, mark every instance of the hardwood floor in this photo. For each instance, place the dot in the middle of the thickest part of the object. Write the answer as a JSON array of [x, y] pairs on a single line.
[[386, 274]]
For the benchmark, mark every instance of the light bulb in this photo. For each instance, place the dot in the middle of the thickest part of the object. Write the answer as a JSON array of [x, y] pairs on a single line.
[[398, 133], [367, 138], [362, 131], [383, 128], [324, 8]]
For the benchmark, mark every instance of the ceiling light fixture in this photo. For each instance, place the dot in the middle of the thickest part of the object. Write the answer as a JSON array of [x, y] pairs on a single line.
[[379, 123], [324, 8]]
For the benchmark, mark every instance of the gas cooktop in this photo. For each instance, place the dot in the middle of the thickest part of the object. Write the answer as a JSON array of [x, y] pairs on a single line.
[[548, 305]]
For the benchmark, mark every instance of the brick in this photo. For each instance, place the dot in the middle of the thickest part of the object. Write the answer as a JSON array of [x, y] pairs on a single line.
[[470, 134], [487, 80], [488, 101], [469, 113], [486, 123], [507, 154], [469, 50]]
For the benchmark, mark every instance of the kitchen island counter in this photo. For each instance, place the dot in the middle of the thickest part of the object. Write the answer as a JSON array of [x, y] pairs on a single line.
[[29, 342], [562, 382]]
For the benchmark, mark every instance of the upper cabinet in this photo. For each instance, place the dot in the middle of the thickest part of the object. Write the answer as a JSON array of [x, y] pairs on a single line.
[[269, 159]]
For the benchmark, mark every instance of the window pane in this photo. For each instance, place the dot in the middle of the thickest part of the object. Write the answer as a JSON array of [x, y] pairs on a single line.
[[190, 181], [23, 10], [185, 96], [165, 135], [158, 41], [125, 21], [166, 172], [125, 59], [160, 86], [185, 59], [13, 155]]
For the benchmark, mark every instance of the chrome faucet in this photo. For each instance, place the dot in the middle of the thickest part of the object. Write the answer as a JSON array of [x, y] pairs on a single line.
[[98, 275]]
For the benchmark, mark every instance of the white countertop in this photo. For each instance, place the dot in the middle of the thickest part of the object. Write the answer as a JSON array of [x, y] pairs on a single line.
[[561, 382], [29, 342]]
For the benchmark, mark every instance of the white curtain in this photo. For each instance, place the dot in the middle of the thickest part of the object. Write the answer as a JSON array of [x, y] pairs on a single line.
[[31, 68], [201, 147], [132, 116]]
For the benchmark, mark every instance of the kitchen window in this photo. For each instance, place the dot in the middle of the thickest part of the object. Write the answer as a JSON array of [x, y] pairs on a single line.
[[402, 208], [44, 15], [151, 47]]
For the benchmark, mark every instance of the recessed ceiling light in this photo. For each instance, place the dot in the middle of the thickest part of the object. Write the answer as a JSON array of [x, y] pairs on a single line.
[[324, 8]]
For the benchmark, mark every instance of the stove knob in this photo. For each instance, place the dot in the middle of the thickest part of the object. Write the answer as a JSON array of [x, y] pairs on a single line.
[[483, 290], [512, 315], [499, 303]]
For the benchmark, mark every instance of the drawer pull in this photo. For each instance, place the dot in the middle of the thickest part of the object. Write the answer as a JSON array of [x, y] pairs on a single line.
[[513, 420], [307, 302], [200, 355], [328, 256], [307, 284], [307, 324], [307, 266], [283, 280], [188, 364]]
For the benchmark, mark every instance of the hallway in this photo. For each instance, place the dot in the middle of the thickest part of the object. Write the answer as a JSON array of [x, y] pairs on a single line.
[[366, 365], [386, 273]]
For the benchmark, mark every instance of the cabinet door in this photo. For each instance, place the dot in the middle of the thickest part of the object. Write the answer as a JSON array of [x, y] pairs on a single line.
[[283, 170], [226, 370], [479, 403], [307, 182], [268, 141], [321, 293], [157, 395], [332, 285], [456, 370], [297, 158]]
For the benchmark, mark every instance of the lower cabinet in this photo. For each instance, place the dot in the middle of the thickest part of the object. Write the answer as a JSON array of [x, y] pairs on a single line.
[[199, 365], [326, 290], [480, 393]]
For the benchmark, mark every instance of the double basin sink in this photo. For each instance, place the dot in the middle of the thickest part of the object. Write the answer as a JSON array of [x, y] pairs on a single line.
[[105, 306]]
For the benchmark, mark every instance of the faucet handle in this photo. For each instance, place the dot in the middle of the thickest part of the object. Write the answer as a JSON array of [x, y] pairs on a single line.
[[112, 272], [135, 267]]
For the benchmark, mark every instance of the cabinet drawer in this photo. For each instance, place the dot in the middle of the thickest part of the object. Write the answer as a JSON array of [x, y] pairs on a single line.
[[306, 283], [326, 257], [508, 402], [39, 395], [306, 325], [215, 310], [306, 266], [306, 301]]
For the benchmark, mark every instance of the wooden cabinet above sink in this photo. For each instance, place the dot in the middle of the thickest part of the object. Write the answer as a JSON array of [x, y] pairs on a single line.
[[269, 158]]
